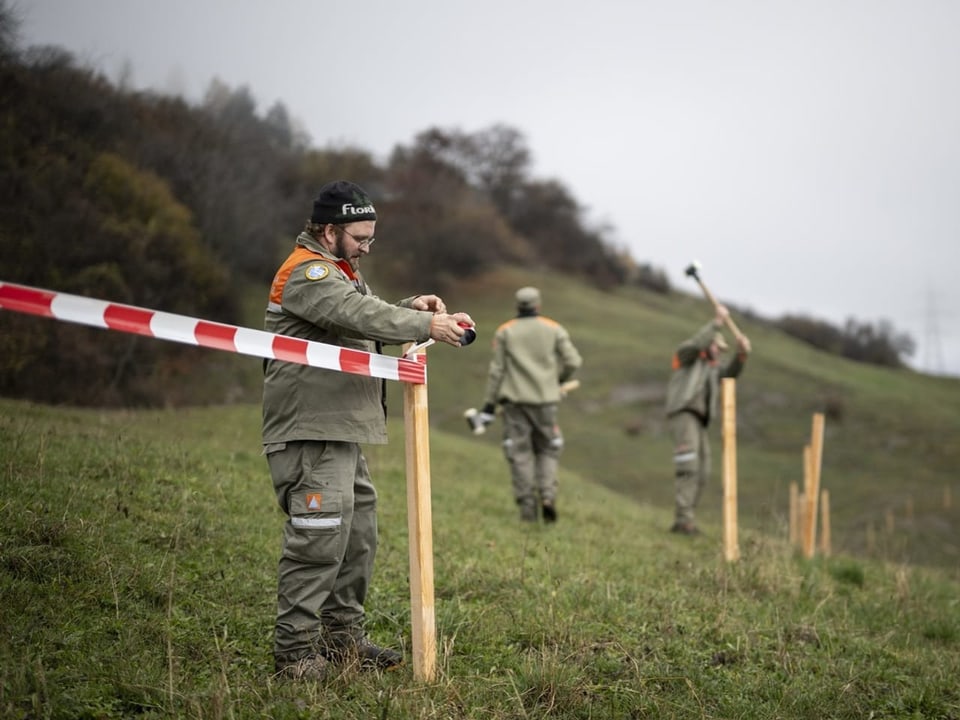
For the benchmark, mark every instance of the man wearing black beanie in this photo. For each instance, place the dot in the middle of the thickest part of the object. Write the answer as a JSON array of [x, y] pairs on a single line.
[[314, 421]]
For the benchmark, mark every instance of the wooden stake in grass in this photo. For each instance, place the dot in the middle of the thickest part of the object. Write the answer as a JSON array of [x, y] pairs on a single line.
[[731, 549], [799, 512], [792, 523], [801, 518], [420, 529], [813, 492], [825, 548]]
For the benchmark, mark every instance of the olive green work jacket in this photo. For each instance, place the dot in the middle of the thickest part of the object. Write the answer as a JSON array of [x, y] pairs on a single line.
[[695, 383], [532, 355], [314, 297]]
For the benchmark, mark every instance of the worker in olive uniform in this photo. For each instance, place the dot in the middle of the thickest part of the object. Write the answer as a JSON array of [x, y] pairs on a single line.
[[532, 356], [313, 423], [692, 401]]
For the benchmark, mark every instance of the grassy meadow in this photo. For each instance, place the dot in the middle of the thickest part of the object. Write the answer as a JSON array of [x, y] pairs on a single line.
[[890, 446], [138, 549], [137, 579]]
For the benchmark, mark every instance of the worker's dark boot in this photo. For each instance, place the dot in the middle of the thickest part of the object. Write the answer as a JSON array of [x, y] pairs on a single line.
[[345, 647], [313, 668], [528, 510], [549, 511], [685, 528]]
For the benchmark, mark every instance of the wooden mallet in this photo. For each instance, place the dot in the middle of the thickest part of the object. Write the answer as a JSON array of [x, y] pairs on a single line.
[[693, 270]]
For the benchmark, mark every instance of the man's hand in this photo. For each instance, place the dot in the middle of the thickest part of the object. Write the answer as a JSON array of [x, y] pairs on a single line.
[[445, 328], [488, 413], [429, 303], [743, 343]]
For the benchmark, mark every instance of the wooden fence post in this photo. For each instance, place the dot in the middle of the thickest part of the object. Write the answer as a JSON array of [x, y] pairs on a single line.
[[731, 548], [801, 518], [792, 522], [825, 523], [802, 497], [420, 529], [813, 492]]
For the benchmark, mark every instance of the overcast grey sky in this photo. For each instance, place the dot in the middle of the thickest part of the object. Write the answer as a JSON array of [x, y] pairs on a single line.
[[807, 152]]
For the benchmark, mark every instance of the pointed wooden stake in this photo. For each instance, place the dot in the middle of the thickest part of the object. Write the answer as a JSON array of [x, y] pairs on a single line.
[[420, 529], [731, 547], [813, 492], [825, 548], [793, 521]]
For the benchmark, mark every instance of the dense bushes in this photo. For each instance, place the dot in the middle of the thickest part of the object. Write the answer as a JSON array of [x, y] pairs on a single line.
[[876, 344]]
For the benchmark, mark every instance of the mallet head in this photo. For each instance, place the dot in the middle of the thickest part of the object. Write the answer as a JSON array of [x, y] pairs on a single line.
[[474, 421], [693, 269]]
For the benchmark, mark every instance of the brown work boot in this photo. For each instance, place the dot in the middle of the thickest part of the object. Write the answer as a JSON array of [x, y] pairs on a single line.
[[549, 511], [345, 648], [685, 528], [528, 510], [313, 668]]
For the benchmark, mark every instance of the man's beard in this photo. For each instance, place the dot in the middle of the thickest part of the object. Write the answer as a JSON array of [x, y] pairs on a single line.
[[342, 254]]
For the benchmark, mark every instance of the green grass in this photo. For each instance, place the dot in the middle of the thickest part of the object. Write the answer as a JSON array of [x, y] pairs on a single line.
[[138, 549], [137, 579], [891, 436]]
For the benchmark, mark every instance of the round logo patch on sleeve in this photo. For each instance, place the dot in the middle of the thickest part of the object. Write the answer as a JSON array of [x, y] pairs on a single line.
[[317, 271]]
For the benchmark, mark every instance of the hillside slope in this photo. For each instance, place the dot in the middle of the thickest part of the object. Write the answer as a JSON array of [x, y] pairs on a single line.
[[890, 448], [890, 452], [138, 566]]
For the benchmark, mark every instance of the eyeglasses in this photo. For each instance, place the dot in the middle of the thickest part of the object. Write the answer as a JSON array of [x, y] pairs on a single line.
[[365, 242]]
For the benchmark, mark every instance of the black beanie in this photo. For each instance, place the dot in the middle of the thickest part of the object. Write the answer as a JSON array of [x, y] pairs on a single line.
[[341, 202]]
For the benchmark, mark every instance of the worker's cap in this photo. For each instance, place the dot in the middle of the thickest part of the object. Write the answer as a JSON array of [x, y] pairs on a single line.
[[341, 202], [721, 342], [528, 297]]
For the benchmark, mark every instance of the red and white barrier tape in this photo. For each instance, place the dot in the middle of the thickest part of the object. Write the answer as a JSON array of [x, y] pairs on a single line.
[[192, 331]]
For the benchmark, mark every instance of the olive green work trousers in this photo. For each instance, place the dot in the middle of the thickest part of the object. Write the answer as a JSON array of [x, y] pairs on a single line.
[[691, 462], [532, 443], [329, 542]]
